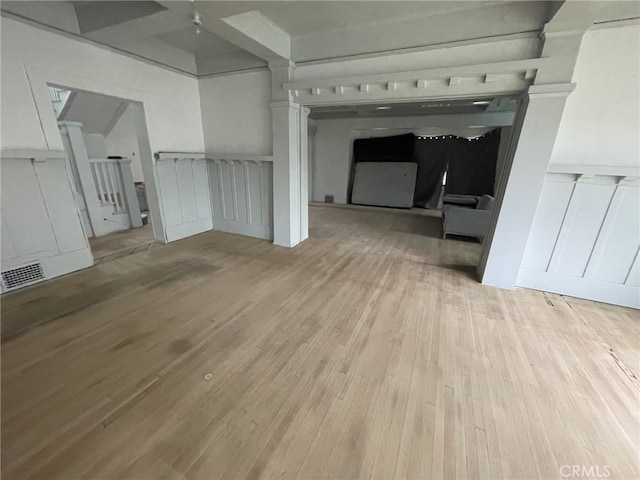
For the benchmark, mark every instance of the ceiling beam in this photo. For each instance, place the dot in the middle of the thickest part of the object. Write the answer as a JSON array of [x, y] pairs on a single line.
[[574, 15], [254, 33], [249, 30], [563, 37]]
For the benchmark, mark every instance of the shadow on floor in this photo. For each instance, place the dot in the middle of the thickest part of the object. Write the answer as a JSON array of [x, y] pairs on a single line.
[[121, 244]]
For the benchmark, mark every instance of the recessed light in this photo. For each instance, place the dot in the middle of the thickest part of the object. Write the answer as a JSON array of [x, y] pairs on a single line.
[[383, 108], [482, 102]]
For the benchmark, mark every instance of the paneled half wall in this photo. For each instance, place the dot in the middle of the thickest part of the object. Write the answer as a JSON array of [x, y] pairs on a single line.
[[229, 193], [585, 237]]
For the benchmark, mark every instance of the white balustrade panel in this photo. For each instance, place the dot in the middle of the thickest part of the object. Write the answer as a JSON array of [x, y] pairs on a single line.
[[40, 218], [185, 197], [242, 194], [585, 237], [109, 184], [114, 194]]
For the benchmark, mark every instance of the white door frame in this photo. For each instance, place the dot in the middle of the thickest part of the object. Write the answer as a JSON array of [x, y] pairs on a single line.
[[306, 96], [41, 78]]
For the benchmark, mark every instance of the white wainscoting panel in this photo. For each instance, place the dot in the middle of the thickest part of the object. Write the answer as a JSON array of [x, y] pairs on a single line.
[[40, 218], [242, 194], [585, 237], [183, 188]]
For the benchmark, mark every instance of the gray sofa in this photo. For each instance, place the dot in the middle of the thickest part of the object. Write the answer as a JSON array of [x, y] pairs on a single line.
[[468, 222]]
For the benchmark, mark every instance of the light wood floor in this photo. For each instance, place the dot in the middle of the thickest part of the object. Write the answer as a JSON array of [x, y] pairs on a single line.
[[122, 243], [369, 351]]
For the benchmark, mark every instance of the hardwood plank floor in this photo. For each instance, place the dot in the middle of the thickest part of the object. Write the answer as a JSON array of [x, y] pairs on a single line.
[[122, 243], [369, 351]]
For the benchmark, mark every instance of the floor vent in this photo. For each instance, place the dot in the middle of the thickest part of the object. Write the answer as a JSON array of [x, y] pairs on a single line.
[[22, 276]]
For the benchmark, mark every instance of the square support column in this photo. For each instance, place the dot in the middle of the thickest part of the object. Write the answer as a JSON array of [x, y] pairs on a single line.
[[286, 173], [519, 190], [290, 192], [304, 173]]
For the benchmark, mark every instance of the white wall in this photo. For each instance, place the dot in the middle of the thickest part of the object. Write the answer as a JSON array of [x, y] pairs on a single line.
[[601, 120], [95, 145], [235, 107], [333, 142], [123, 141], [236, 117], [585, 238], [31, 57]]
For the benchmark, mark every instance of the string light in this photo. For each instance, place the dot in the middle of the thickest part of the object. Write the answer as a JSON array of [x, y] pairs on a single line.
[[444, 137]]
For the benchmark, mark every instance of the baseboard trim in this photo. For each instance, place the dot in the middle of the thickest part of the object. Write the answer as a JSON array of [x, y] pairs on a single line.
[[178, 232], [240, 228], [606, 292]]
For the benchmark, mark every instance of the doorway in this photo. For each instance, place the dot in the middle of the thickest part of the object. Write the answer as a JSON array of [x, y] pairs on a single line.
[[439, 156], [103, 147]]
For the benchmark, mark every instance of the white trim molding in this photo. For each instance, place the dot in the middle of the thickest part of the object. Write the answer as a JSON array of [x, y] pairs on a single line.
[[35, 155], [611, 170], [162, 156], [239, 157], [450, 82]]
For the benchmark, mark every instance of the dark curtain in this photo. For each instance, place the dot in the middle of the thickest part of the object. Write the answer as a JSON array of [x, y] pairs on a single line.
[[399, 148], [432, 156], [472, 164]]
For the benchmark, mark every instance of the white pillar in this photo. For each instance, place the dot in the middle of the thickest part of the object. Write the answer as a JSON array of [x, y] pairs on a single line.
[[131, 197], [517, 196], [80, 159], [304, 173], [287, 222]]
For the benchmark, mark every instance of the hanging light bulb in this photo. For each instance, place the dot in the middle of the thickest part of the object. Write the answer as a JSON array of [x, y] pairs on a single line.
[[197, 18]]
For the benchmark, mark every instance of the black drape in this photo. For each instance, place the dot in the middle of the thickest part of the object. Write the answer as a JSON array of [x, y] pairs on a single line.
[[399, 148], [472, 164], [432, 157]]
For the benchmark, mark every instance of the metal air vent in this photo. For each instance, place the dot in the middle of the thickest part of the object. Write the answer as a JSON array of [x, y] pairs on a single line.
[[20, 276]]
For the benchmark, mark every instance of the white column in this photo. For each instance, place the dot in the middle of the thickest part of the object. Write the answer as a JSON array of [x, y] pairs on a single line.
[[286, 173], [89, 191], [286, 158], [519, 190], [130, 193], [304, 173]]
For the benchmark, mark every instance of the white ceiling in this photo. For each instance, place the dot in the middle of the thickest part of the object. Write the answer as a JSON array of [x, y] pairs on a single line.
[[163, 31], [97, 113]]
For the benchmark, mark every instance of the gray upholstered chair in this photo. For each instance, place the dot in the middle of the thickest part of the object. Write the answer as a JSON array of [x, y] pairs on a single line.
[[468, 222]]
